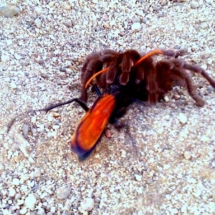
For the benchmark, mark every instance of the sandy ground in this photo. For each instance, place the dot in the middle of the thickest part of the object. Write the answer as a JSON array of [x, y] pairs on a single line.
[[168, 168]]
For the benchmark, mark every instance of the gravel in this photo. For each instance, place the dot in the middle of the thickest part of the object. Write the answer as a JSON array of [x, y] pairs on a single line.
[[164, 166]]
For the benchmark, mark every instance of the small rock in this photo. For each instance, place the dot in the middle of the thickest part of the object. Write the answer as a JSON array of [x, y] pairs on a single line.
[[53, 209], [12, 192], [16, 181], [136, 20], [20, 202], [204, 138], [166, 98], [23, 210], [66, 6], [5, 57], [187, 155], [182, 118], [25, 130], [123, 154], [13, 85], [87, 204], [156, 7], [9, 11], [30, 201], [204, 25], [37, 173], [138, 177], [63, 192], [136, 26], [1, 168], [17, 56], [38, 10], [209, 2], [41, 211], [163, 2], [194, 4], [38, 22]]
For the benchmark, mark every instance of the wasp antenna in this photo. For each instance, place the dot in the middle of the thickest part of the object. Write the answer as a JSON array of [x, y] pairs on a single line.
[[154, 52], [98, 73]]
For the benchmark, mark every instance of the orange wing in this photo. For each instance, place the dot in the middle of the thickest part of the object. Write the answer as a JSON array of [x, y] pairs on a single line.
[[92, 125]]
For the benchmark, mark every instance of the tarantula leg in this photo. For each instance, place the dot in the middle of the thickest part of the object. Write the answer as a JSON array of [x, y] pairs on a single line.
[[92, 67], [113, 68], [130, 57], [150, 54], [201, 71], [175, 54], [83, 96], [88, 70], [125, 67], [94, 76], [190, 86], [150, 77]]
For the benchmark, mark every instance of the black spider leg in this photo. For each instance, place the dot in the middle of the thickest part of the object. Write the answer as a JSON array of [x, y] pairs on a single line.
[[79, 101]]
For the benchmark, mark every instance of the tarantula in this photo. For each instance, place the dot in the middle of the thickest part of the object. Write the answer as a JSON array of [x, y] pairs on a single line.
[[143, 74], [109, 60]]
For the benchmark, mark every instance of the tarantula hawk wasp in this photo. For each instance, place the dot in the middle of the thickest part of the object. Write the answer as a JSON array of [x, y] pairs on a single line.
[[110, 105], [126, 77]]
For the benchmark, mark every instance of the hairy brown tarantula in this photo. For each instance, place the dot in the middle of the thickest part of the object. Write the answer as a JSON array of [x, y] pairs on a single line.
[[144, 74]]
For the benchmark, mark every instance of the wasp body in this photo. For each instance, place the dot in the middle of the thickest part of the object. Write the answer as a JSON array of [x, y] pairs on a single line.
[[92, 126]]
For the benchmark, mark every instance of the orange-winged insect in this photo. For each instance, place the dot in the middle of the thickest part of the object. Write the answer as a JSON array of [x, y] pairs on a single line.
[[92, 126], [94, 122]]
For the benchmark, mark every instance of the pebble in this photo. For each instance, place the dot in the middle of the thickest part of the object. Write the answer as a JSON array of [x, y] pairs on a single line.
[[9, 11], [20, 202], [13, 85], [12, 192], [166, 98], [138, 177], [209, 2], [194, 4], [17, 56], [163, 2], [63, 192], [66, 6], [38, 22], [30, 201], [23, 210], [16, 181], [136, 27], [182, 118], [204, 25], [25, 130], [41, 211], [37, 173], [87, 204], [38, 10], [5, 57], [1, 168], [187, 155], [204, 138], [156, 7]]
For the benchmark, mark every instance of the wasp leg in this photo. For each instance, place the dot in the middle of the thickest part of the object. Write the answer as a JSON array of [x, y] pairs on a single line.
[[79, 101]]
